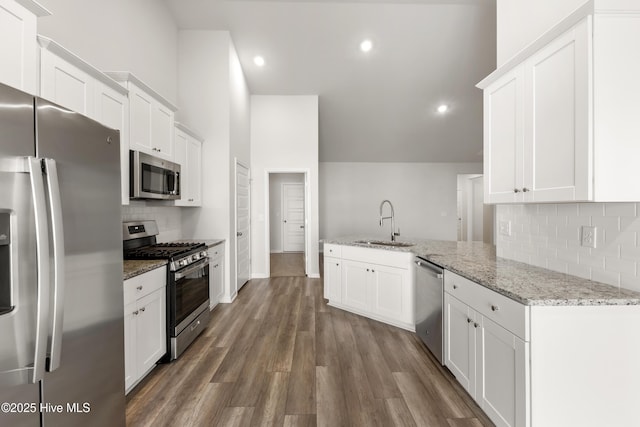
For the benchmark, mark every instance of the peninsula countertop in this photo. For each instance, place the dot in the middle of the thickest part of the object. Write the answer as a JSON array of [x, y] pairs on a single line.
[[521, 282]]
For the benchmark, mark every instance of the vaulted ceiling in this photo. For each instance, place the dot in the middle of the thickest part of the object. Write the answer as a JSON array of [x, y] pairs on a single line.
[[379, 106]]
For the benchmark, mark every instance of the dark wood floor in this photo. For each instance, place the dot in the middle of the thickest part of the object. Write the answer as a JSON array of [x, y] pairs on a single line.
[[278, 355]]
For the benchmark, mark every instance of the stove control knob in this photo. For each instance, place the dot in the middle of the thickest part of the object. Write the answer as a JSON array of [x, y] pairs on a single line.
[[182, 262], [203, 254], [195, 257]]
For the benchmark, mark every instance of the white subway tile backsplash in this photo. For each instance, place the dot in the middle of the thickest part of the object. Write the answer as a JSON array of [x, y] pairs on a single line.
[[548, 235], [620, 209], [168, 218]]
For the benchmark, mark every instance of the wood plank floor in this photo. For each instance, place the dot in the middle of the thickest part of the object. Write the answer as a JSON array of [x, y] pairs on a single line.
[[287, 264], [279, 356]]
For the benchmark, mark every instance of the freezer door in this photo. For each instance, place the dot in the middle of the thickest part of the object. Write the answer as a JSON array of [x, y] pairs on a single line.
[[89, 381], [18, 267]]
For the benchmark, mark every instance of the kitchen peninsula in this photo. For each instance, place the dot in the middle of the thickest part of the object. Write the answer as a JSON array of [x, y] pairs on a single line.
[[511, 330]]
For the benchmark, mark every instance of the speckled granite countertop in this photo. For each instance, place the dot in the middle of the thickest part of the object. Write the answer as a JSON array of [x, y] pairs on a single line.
[[521, 282], [134, 267]]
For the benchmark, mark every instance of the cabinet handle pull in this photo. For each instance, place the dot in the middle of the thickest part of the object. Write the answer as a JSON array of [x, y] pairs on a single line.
[[475, 325], [139, 288], [337, 264], [455, 286], [373, 271], [143, 309], [495, 308], [135, 313], [525, 189], [516, 190], [468, 320]]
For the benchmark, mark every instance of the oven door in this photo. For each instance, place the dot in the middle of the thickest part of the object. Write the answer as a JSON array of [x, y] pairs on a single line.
[[189, 295]]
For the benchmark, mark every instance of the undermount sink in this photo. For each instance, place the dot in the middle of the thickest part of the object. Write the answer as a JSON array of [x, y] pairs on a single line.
[[385, 243]]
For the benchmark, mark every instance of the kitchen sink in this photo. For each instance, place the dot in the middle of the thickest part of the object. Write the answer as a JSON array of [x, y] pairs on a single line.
[[385, 243]]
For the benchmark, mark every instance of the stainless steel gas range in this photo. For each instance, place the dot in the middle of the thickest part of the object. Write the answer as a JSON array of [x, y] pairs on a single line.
[[187, 282]]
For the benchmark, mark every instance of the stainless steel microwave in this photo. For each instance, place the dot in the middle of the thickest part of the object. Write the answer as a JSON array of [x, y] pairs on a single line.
[[152, 177]]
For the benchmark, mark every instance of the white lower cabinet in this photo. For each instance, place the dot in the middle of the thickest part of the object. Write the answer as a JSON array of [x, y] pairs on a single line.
[[145, 339], [488, 360], [371, 282], [333, 279], [216, 274]]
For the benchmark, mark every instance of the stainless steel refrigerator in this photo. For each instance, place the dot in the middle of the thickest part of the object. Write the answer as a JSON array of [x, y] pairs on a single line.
[[61, 302]]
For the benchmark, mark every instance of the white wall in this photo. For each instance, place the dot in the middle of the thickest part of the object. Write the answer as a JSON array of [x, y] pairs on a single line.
[[118, 35], [214, 101], [284, 138], [275, 205], [520, 22], [423, 196]]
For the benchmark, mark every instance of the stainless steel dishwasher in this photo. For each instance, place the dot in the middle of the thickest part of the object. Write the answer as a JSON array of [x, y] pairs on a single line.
[[429, 304]]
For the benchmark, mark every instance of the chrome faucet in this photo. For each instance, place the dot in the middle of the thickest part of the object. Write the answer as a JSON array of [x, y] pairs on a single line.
[[393, 224]]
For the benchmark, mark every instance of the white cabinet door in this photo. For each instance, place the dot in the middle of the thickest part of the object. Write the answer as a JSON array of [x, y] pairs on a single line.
[[130, 338], [557, 132], [391, 293], [151, 330], [501, 374], [460, 342], [216, 275], [18, 48], [188, 153], [356, 277], [140, 113], [194, 172], [65, 84], [333, 279], [162, 122], [503, 138], [111, 110]]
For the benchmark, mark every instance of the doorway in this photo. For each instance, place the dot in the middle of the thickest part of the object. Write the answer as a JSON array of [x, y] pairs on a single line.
[[475, 219], [287, 241]]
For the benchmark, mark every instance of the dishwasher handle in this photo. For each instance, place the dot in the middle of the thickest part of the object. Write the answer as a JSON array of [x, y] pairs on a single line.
[[431, 269]]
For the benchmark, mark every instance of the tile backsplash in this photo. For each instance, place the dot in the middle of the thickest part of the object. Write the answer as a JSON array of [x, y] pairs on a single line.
[[548, 235], [169, 218]]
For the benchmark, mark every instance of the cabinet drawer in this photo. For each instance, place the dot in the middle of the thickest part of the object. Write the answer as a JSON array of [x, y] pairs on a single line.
[[216, 251], [331, 250], [506, 312], [142, 285]]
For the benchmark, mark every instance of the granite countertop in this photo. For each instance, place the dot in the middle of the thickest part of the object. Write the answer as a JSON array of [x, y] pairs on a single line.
[[521, 282], [134, 267]]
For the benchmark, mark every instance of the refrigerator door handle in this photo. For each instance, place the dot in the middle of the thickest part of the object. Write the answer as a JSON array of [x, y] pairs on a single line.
[[55, 209], [42, 260]]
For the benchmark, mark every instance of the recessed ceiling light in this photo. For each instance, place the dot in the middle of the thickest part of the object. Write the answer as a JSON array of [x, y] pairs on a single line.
[[443, 108], [366, 45], [259, 61]]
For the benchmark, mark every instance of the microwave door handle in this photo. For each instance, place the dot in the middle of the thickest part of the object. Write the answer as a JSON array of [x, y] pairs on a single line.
[[55, 207], [42, 260]]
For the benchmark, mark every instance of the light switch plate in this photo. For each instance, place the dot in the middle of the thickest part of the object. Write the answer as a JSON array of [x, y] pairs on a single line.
[[505, 228], [588, 236]]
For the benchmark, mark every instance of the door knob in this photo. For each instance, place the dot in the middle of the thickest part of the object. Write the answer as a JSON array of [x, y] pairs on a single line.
[[239, 234], [285, 220], [302, 226]]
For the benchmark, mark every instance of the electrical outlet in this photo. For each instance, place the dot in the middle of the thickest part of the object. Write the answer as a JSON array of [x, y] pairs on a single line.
[[588, 236], [505, 228]]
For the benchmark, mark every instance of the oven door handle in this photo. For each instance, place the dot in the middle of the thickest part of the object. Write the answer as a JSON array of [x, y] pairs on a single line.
[[194, 267]]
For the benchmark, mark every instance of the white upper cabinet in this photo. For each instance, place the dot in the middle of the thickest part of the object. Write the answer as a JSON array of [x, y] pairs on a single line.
[[560, 117], [18, 47], [188, 153], [151, 118], [71, 82]]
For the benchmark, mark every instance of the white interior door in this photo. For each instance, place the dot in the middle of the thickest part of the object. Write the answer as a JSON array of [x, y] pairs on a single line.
[[243, 252], [293, 217]]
